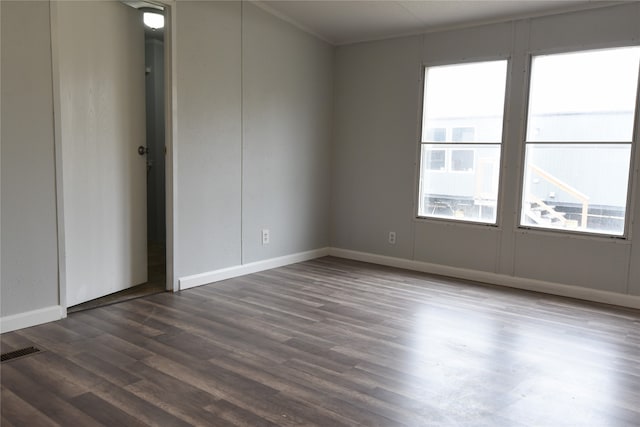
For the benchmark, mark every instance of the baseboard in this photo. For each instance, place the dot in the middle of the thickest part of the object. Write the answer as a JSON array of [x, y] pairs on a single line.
[[31, 318], [594, 295], [253, 267], [53, 313]]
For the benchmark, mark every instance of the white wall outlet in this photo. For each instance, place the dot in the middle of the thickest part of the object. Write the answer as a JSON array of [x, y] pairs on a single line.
[[265, 236], [392, 237]]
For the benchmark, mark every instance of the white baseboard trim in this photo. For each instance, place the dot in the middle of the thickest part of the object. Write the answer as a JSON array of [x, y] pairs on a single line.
[[595, 295], [253, 267], [31, 318]]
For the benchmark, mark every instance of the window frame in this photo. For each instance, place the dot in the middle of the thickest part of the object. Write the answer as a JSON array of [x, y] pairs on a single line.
[[503, 134], [634, 162]]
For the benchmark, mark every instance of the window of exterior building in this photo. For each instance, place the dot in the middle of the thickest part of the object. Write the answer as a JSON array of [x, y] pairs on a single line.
[[436, 160], [463, 108], [581, 115], [438, 134], [462, 160], [462, 134]]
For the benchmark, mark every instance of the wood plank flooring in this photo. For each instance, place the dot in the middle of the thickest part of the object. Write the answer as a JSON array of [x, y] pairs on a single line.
[[330, 342]]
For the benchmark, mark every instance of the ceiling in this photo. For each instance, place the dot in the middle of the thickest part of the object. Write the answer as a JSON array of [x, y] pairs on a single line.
[[349, 21]]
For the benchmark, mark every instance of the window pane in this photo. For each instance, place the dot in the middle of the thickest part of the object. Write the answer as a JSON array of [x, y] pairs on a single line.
[[576, 187], [467, 99], [469, 196], [583, 96]]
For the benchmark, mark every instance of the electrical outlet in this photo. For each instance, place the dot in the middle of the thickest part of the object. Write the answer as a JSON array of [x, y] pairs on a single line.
[[265, 236], [392, 237]]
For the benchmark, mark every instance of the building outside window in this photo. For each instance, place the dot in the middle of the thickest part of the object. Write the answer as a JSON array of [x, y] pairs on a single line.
[[438, 134], [462, 160]]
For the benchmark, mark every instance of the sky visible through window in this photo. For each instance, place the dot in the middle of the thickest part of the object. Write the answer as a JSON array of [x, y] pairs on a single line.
[[564, 83], [465, 90]]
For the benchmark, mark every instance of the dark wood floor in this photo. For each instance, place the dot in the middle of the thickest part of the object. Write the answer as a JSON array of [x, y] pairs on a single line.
[[331, 342]]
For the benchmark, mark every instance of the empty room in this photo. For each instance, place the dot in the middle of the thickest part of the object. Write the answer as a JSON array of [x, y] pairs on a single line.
[[320, 213]]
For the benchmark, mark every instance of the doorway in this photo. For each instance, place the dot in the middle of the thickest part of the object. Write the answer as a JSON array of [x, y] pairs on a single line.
[[154, 36], [97, 271]]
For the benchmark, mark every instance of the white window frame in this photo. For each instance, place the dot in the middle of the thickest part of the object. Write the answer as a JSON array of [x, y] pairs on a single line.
[[633, 160], [418, 170]]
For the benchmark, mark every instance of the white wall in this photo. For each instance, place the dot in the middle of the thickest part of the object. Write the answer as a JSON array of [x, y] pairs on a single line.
[[254, 137], [208, 146], [376, 104], [287, 107], [29, 242], [378, 91]]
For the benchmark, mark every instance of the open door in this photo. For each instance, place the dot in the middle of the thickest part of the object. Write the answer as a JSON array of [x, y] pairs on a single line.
[[102, 121]]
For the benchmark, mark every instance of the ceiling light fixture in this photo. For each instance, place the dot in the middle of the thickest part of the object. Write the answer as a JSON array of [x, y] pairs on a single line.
[[153, 20]]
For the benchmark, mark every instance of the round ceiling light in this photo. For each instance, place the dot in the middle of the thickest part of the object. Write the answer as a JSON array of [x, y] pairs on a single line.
[[153, 20]]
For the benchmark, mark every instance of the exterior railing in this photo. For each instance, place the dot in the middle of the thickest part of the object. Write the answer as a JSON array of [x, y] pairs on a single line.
[[583, 198]]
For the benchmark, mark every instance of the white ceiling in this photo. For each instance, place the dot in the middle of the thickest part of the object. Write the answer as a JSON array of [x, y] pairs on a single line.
[[348, 21]]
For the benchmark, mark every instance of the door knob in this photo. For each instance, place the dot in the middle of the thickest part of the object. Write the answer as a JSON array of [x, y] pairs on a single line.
[[142, 150]]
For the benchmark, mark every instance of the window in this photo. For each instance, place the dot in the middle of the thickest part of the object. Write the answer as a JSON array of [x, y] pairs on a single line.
[[462, 134], [438, 134], [436, 160], [582, 108], [462, 160], [463, 108]]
